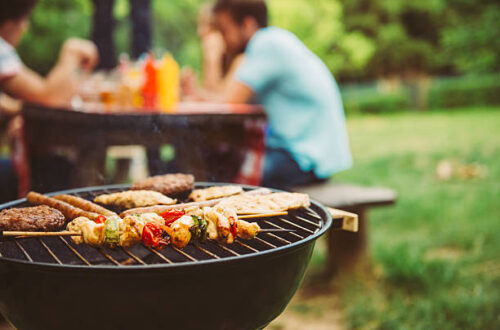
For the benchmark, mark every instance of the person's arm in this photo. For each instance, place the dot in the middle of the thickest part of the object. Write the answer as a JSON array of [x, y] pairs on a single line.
[[213, 50], [61, 83], [229, 91]]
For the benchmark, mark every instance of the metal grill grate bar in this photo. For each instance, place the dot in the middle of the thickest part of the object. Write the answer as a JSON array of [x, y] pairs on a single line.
[[279, 238], [312, 213], [110, 258], [52, 254], [161, 256], [296, 226], [136, 258], [246, 246], [206, 251], [184, 254], [75, 251], [307, 221], [23, 251], [226, 249], [265, 242], [278, 227]]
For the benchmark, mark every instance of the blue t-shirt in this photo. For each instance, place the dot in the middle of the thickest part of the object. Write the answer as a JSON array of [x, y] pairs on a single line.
[[301, 99]]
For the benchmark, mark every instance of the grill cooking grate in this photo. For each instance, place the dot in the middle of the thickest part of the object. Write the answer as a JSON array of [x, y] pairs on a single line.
[[60, 250]]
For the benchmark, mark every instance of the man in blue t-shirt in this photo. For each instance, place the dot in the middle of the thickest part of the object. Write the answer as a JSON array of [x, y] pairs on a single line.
[[307, 139]]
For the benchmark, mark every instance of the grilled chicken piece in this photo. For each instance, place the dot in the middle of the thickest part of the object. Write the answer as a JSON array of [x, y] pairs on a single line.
[[180, 233], [135, 198], [194, 210], [218, 226], [247, 230], [91, 233], [212, 218], [132, 226], [215, 192]]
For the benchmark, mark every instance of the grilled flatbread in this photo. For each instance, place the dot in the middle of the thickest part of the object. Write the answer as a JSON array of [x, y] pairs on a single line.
[[276, 202], [215, 192]]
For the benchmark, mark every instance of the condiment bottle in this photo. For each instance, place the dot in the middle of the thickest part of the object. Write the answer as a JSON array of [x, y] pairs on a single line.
[[168, 83], [149, 88]]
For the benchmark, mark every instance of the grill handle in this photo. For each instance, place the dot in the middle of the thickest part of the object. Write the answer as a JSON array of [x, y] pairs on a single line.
[[350, 220]]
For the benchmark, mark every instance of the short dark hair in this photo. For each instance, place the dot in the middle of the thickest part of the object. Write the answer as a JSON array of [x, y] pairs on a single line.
[[16, 9], [239, 9]]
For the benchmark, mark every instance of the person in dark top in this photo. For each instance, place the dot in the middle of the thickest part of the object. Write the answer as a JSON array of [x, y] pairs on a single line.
[[103, 27]]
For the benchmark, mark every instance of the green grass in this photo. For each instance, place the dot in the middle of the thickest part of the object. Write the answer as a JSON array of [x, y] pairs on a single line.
[[436, 253]]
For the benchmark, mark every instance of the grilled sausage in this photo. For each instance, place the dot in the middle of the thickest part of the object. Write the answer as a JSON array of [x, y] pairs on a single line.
[[84, 204], [69, 211]]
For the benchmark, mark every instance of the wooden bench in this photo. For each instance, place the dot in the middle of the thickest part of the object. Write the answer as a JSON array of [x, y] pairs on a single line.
[[348, 250]]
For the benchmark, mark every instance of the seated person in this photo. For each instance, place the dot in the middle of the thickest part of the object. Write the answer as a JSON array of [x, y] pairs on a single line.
[[21, 83], [307, 139], [219, 64]]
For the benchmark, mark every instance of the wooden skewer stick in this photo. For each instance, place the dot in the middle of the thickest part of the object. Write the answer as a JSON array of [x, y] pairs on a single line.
[[39, 233], [262, 215]]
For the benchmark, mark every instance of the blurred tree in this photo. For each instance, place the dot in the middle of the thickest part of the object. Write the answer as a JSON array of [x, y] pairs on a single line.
[[427, 36], [52, 22], [406, 33], [471, 39], [318, 23]]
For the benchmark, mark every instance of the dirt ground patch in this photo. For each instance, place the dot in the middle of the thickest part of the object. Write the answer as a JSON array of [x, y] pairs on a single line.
[[314, 311]]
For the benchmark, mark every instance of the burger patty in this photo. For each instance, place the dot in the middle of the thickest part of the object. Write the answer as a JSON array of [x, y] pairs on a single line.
[[172, 185], [37, 218]]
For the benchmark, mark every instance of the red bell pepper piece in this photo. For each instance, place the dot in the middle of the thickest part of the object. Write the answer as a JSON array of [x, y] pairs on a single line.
[[152, 235], [100, 219], [233, 227], [172, 215]]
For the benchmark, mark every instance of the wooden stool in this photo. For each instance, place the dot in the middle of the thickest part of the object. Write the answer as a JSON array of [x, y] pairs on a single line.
[[347, 250]]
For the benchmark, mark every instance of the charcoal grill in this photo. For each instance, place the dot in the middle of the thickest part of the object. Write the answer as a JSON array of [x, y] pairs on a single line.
[[51, 283]]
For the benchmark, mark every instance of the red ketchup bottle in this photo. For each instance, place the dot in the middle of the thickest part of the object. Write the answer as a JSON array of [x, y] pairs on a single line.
[[149, 90]]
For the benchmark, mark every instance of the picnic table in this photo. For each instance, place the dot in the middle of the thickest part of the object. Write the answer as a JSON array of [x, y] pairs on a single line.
[[208, 138]]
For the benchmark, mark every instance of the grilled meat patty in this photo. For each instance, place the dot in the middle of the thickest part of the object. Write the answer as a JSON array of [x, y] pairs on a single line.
[[172, 185], [37, 218]]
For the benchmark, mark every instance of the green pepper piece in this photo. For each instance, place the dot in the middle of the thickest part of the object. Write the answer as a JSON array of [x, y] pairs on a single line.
[[195, 230], [112, 232], [204, 230]]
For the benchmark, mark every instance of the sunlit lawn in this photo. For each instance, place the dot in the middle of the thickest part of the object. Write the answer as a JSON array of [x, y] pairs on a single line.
[[436, 253]]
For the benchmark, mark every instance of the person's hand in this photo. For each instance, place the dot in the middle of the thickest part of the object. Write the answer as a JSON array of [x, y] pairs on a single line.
[[188, 82], [213, 47], [83, 51]]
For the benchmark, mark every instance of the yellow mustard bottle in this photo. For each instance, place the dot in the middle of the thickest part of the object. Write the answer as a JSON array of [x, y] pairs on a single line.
[[168, 83]]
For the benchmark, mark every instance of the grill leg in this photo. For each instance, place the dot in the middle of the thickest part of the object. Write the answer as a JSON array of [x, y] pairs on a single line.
[[347, 251]]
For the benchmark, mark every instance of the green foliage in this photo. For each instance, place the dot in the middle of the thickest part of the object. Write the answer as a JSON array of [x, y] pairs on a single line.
[[432, 36], [465, 91], [357, 39], [174, 29], [373, 101], [472, 44], [52, 22], [319, 25]]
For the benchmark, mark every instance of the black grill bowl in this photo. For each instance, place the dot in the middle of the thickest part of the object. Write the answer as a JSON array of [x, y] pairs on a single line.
[[241, 292]]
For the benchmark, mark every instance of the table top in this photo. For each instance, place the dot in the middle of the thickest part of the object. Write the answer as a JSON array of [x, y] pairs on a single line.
[[186, 113]]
